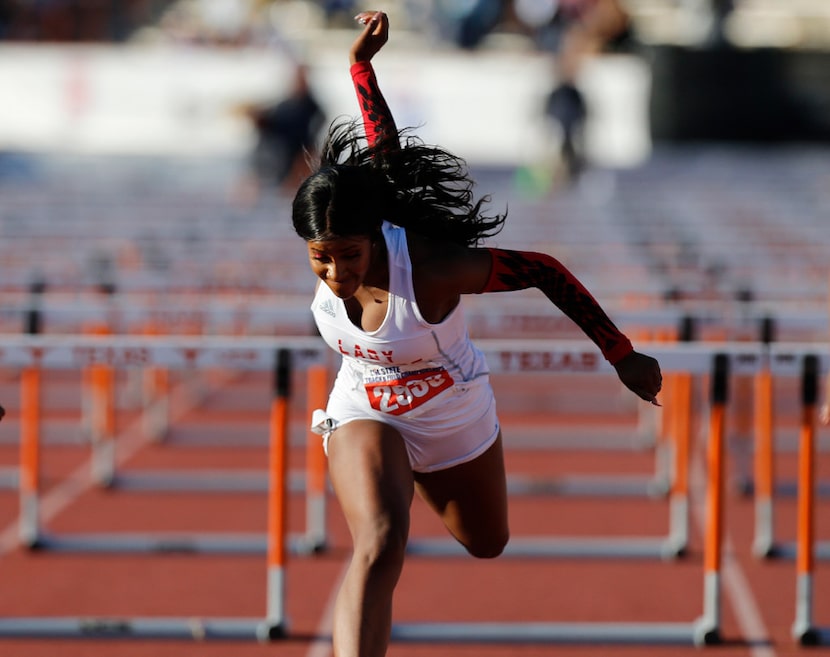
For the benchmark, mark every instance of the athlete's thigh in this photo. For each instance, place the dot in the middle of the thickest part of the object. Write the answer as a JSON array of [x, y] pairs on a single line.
[[471, 498], [370, 473]]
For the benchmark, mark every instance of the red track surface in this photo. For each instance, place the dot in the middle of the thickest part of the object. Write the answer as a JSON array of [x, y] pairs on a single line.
[[758, 594]]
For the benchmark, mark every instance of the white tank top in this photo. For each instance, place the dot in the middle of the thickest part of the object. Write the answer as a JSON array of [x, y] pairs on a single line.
[[407, 361]]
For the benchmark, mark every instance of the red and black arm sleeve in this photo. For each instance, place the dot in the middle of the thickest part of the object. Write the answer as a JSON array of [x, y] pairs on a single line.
[[519, 270], [377, 117]]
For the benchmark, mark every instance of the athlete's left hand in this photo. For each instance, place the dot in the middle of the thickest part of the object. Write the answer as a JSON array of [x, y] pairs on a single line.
[[373, 37], [641, 374]]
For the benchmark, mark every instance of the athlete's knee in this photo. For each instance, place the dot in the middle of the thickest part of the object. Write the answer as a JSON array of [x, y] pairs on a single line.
[[488, 547], [381, 543]]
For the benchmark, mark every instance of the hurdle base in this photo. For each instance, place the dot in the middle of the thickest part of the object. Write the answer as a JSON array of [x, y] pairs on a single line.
[[271, 631], [33, 543], [821, 551], [546, 633], [301, 545], [707, 633], [766, 550], [167, 543], [675, 547], [662, 548], [182, 629], [807, 635]]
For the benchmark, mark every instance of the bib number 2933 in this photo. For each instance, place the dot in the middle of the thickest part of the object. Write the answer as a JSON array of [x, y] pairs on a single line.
[[407, 392]]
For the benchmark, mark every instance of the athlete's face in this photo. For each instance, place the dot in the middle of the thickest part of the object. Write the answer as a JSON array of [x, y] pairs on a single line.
[[341, 263]]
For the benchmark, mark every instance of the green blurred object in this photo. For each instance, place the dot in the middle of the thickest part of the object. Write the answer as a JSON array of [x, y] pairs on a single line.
[[533, 180]]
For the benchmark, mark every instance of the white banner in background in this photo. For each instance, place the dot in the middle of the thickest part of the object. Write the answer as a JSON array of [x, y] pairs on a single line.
[[183, 100]]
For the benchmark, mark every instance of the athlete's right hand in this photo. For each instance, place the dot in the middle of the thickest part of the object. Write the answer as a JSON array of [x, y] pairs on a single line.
[[373, 37]]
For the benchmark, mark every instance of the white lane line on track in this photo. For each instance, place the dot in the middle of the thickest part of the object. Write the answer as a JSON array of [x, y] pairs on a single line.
[[79, 481], [735, 584]]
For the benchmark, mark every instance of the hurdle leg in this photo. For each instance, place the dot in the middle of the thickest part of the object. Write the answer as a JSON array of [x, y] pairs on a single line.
[[156, 404], [155, 390], [316, 465], [99, 379], [679, 499], [803, 629], [29, 480], [102, 379], [708, 626], [663, 418], [274, 624], [764, 542]]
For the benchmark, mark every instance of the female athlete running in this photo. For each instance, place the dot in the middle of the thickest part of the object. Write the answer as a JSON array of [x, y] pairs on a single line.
[[393, 233]]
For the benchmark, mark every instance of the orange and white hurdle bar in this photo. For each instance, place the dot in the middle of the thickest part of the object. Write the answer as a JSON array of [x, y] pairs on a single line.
[[717, 360], [101, 378], [101, 383], [766, 488], [679, 362], [280, 356], [100, 356], [123, 312], [505, 356]]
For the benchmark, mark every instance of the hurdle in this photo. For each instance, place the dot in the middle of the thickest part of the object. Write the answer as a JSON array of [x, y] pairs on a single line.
[[183, 353], [312, 481], [804, 630], [703, 631], [272, 626], [765, 544], [100, 383], [683, 359], [662, 429], [252, 354], [99, 405]]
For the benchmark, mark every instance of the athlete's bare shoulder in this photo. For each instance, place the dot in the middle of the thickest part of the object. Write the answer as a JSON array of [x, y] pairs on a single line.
[[454, 268]]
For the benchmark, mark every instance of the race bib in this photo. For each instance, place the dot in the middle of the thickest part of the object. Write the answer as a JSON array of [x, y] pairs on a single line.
[[402, 392]]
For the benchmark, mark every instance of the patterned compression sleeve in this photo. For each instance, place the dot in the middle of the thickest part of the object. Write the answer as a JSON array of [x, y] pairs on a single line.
[[519, 270], [377, 117]]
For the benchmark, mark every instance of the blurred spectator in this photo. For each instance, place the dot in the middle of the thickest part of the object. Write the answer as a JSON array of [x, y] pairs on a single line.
[[339, 13], [573, 28], [212, 22], [286, 131], [576, 31], [467, 22], [225, 22], [566, 106], [720, 10]]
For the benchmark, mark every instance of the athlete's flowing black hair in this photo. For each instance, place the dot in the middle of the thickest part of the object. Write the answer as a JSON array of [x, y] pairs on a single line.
[[400, 179]]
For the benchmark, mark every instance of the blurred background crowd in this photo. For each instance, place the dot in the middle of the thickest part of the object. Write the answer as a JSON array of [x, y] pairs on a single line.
[[463, 23], [571, 111], [723, 69]]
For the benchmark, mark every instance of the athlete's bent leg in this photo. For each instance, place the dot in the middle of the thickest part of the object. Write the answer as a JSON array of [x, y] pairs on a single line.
[[471, 499], [372, 479]]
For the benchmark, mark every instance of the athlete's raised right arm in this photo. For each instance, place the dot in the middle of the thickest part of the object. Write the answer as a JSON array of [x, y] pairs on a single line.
[[377, 117]]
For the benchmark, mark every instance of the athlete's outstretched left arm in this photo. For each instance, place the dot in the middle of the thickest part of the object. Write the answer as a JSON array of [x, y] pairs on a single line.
[[519, 270], [377, 117]]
